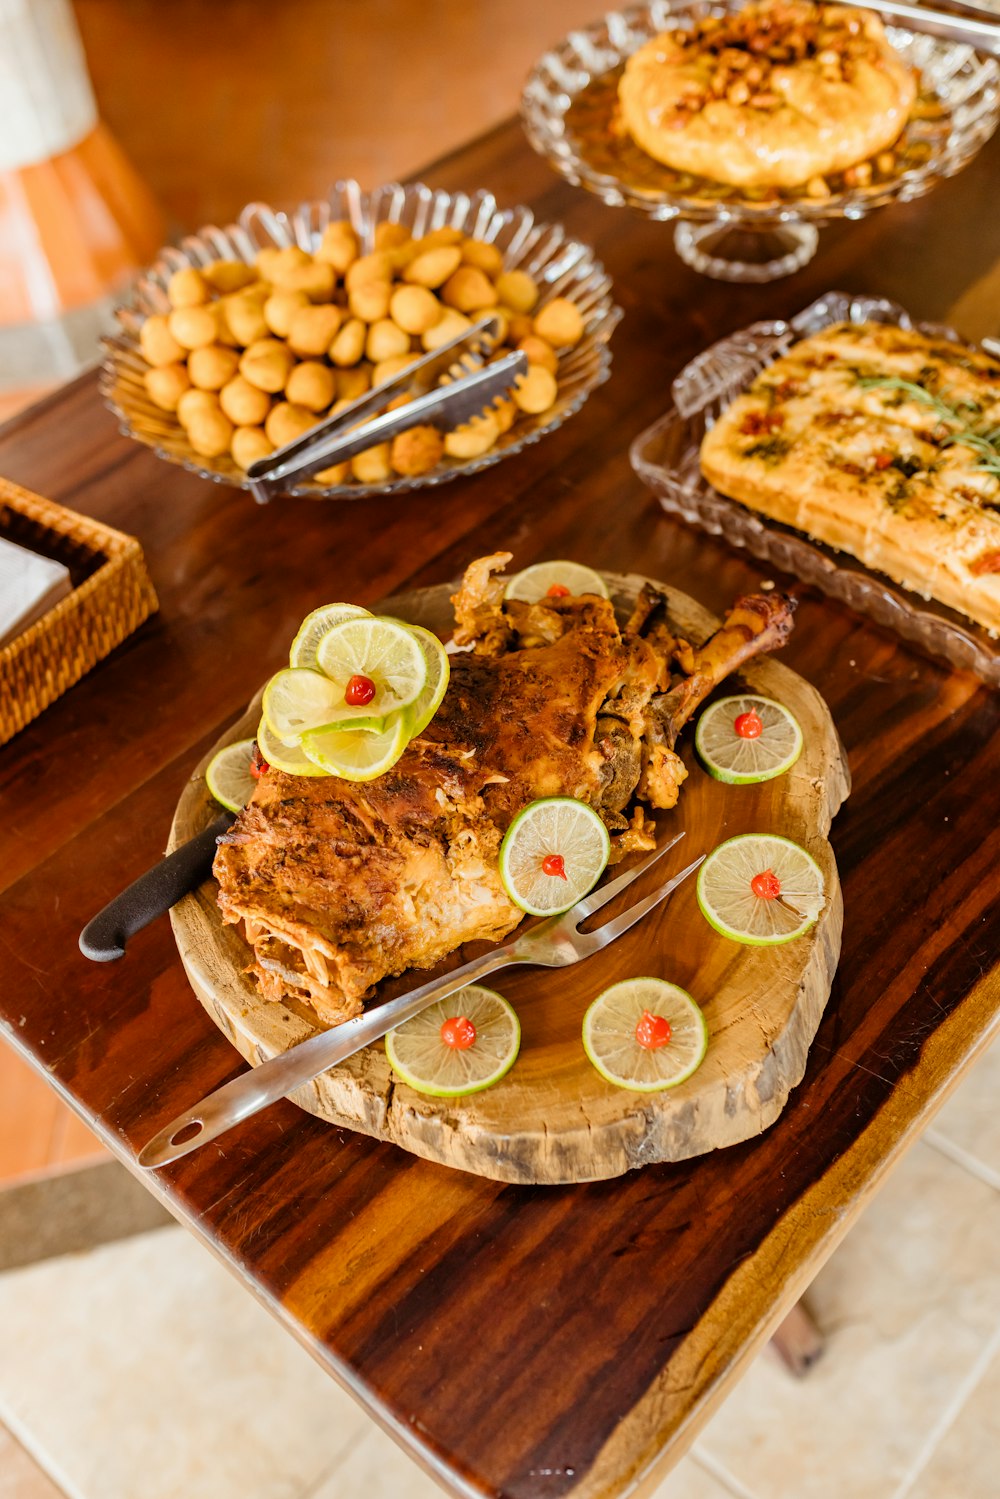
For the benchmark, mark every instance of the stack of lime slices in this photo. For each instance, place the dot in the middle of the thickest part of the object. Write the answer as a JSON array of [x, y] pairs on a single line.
[[357, 689]]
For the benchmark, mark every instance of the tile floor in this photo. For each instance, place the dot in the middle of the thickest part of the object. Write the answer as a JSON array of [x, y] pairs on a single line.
[[129, 1372]]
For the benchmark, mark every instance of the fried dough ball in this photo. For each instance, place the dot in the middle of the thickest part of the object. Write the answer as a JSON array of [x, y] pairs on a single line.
[[349, 344], [338, 473], [338, 246], [391, 236], [281, 307], [286, 422], [195, 400], [211, 367], [283, 262], [519, 325], [372, 466], [415, 309], [416, 451], [353, 383], [474, 438], [484, 256], [188, 288], [386, 340], [388, 369], [209, 431], [166, 384], [244, 318], [193, 327], [370, 300], [267, 364], [432, 268], [368, 268], [249, 445], [313, 329], [158, 344], [536, 391], [225, 276], [265, 260], [540, 352], [317, 279], [312, 385], [450, 325], [517, 290], [560, 323], [446, 235], [469, 290], [245, 405]]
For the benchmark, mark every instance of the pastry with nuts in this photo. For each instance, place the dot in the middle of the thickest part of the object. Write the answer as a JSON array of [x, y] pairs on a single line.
[[779, 93]]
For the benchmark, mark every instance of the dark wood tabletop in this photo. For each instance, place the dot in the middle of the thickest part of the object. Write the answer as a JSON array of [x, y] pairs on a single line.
[[517, 1341]]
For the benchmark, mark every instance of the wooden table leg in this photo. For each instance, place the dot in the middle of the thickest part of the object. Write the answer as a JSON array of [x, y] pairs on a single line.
[[798, 1341]]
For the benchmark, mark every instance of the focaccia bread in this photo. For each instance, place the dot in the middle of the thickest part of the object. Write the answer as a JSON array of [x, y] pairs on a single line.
[[882, 442], [773, 95]]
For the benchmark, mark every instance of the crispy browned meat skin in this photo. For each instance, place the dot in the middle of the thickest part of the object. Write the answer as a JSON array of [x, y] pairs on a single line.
[[341, 885]]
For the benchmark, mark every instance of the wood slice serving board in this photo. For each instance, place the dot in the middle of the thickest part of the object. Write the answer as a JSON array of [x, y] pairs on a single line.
[[553, 1119]]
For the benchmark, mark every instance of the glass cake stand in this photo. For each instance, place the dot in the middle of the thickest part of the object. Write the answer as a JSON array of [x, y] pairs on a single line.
[[569, 110]]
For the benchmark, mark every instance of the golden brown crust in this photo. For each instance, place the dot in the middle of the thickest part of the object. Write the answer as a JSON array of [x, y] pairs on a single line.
[[872, 439], [775, 94]]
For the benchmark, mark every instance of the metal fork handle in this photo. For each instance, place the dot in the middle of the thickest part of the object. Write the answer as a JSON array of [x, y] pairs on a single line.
[[274, 1079]]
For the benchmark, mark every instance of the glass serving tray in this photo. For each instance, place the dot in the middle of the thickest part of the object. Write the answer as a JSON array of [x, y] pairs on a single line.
[[562, 267], [569, 112], [666, 457]]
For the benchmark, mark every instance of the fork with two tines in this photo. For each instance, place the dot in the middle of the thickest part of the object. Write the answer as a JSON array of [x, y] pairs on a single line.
[[554, 943]]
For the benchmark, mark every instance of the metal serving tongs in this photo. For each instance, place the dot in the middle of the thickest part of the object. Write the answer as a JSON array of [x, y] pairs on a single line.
[[553, 943], [948, 19], [447, 406]]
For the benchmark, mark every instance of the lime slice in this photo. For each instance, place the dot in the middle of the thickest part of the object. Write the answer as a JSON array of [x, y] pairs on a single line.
[[552, 854], [315, 626], [228, 775], [536, 582], [634, 1009], [438, 672], [298, 699], [357, 756], [746, 739], [761, 889], [382, 650], [286, 757], [420, 1055]]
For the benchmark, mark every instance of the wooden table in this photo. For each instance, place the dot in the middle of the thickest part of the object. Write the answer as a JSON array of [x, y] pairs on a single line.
[[518, 1342]]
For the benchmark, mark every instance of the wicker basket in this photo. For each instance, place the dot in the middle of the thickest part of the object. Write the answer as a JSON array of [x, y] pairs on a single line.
[[111, 597]]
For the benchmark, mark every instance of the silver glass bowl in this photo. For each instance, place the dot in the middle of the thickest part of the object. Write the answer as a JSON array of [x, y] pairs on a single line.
[[569, 106], [561, 266]]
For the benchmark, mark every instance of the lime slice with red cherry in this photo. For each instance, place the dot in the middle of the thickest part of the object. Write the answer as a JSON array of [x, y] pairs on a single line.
[[761, 889], [645, 1034], [742, 740], [229, 777], [354, 754], [552, 854], [555, 580], [458, 1045], [377, 666], [287, 757], [315, 626]]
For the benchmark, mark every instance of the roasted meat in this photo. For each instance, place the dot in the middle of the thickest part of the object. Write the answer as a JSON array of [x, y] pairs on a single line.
[[340, 885]]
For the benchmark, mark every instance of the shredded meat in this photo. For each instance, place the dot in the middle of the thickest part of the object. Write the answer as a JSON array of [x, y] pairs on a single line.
[[340, 885]]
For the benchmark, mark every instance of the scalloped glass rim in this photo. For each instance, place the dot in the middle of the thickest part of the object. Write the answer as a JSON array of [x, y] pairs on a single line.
[[562, 266], [966, 81], [665, 457]]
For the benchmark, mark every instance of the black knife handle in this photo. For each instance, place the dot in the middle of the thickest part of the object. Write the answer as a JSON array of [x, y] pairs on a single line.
[[103, 939]]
